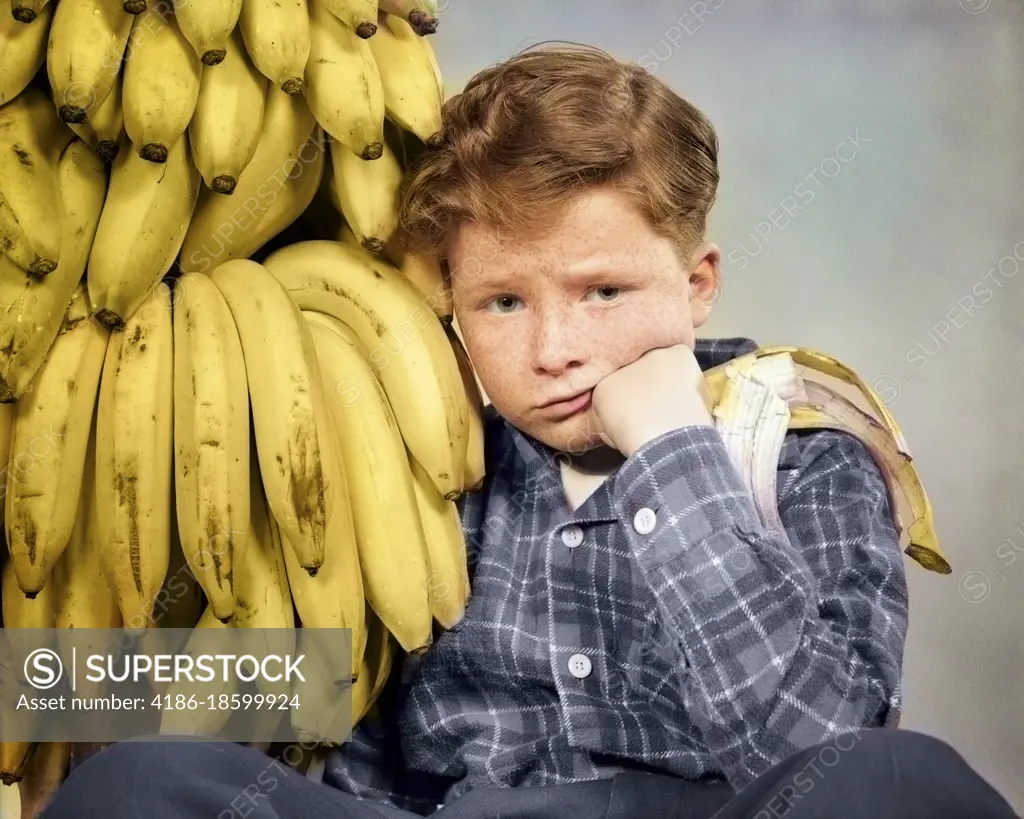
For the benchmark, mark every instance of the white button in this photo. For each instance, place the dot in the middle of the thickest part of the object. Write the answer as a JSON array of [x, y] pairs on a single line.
[[579, 665], [572, 536], [644, 520]]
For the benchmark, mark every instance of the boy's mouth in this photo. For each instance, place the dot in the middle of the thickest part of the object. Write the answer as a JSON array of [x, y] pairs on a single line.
[[562, 408]]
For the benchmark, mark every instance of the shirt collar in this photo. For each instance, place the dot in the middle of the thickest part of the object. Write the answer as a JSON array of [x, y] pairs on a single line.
[[542, 459]]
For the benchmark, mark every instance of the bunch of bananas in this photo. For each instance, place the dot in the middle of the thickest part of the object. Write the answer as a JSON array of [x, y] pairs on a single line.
[[193, 439]]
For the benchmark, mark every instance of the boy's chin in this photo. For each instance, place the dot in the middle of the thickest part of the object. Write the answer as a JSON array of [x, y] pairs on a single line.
[[573, 436]]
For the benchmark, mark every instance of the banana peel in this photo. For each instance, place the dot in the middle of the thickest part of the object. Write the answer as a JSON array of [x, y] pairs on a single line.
[[759, 396]]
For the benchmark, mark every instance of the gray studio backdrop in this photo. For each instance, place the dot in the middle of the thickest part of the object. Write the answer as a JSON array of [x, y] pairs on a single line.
[[871, 206]]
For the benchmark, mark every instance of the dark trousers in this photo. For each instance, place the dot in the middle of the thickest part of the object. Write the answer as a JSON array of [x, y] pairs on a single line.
[[877, 773]]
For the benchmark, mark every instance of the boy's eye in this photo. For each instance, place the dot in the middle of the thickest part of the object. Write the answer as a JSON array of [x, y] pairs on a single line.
[[502, 302], [607, 293]]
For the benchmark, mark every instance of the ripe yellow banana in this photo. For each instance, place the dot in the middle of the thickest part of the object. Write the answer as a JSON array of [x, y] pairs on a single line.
[[141, 229], [208, 25], [211, 438], [408, 349], [134, 457], [274, 189], [358, 15], [434, 65], [289, 415], [421, 14], [26, 11], [31, 309], [6, 431], [31, 142], [324, 691], [381, 650], [86, 46], [43, 776], [202, 721], [83, 594], [51, 432], [343, 85], [228, 121], [105, 127], [475, 462], [161, 83], [334, 596], [392, 549], [412, 98], [426, 275], [276, 35], [448, 579], [22, 51], [366, 193]]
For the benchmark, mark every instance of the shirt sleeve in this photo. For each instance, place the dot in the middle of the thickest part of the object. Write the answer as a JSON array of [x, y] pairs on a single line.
[[779, 646]]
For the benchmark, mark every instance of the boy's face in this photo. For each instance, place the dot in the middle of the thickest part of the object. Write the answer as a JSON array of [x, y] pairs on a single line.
[[546, 319]]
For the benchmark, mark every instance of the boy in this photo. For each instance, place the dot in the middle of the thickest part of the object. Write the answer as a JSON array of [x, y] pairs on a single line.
[[636, 644]]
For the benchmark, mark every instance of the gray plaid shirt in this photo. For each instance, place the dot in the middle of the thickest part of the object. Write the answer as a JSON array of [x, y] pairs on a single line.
[[657, 627]]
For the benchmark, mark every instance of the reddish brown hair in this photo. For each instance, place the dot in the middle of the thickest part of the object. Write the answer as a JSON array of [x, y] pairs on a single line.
[[525, 134]]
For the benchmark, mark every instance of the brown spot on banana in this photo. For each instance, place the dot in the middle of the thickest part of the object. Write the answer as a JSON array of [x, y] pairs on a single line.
[[125, 486]]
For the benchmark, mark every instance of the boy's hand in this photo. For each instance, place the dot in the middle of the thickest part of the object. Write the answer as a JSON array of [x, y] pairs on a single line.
[[661, 391]]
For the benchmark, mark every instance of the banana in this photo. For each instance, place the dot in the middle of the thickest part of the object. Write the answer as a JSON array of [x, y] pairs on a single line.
[[86, 46], [412, 98], [421, 14], [85, 597], [43, 776], [105, 127], [274, 189], [448, 578], [52, 422], [392, 549], [211, 438], [408, 348], [10, 801], [141, 229], [826, 409], [343, 85], [289, 415], [276, 35], [260, 584], [26, 11], [134, 457], [161, 83], [22, 51], [366, 193], [475, 462], [207, 25], [180, 602], [31, 142], [31, 309], [20, 611], [202, 721], [225, 130], [323, 691], [434, 65], [358, 15], [381, 650], [6, 431]]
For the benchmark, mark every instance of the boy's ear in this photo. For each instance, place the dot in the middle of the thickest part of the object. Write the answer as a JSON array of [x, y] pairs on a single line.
[[705, 274]]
